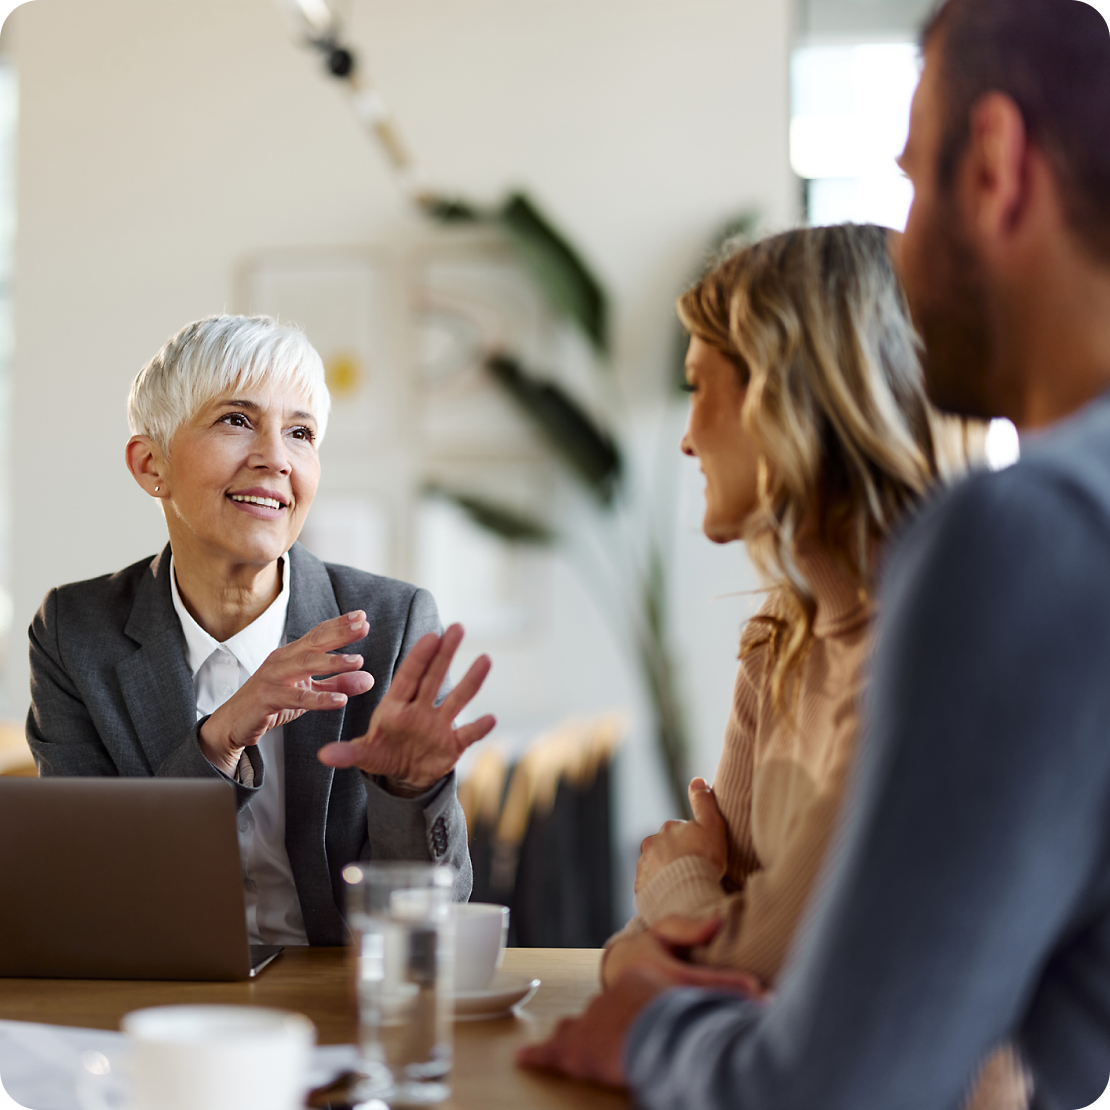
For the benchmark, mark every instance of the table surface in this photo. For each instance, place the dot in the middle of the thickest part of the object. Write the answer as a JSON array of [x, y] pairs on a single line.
[[319, 982]]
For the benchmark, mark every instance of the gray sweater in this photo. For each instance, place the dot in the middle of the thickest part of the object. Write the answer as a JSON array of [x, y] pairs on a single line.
[[968, 897], [112, 694]]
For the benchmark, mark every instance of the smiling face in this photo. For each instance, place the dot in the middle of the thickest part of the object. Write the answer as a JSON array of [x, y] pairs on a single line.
[[939, 268], [716, 437], [240, 477]]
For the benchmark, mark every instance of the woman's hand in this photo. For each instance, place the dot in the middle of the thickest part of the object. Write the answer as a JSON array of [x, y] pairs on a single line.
[[663, 952], [412, 741], [706, 836], [283, 689]]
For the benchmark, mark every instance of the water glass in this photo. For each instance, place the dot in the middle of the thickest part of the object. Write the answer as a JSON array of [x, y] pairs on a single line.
[[400, 914]]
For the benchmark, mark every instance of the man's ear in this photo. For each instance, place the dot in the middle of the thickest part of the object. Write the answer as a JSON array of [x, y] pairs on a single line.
[[995, 175], [144, 459]]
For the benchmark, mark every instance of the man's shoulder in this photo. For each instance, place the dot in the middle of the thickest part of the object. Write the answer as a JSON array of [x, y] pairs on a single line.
[[1050, 510], [1062, 479], [1073, 455]]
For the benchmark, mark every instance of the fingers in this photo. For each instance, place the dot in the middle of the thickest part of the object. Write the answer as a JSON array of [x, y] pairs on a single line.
[[581, 1048], [656, 962], [592, 1046], [473, 732], [339, 755], [718, 978], [536, 1055], [470, 684], [304, 664], [676, 931], [436, 672], [303, 697], [558, 1052], [406, 679], [686, 932], [703, 803], [311, 654], [353, 684], [642, 953], [336, 633], [546, 1054], [330, 693]]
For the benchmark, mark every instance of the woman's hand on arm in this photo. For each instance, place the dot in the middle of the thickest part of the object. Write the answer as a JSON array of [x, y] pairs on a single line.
[[705, 836], [412, 741], [664, 951], [283, 689]]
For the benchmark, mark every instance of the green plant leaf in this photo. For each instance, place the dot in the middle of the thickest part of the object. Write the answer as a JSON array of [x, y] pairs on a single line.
[[589, 450], [504, 522], [450, 210], [554, 264], [557, 268]]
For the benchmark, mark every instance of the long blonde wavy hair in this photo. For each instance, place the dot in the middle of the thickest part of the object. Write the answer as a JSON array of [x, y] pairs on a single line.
[[818, 329]]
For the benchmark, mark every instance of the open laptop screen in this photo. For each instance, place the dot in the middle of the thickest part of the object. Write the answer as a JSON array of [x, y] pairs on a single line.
[[121, 878]]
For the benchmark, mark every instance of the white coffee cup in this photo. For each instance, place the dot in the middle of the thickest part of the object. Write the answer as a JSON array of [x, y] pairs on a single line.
[[481, 929], [216, 1057]]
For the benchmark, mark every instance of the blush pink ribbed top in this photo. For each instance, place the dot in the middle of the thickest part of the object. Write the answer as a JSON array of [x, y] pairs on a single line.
[[780, 784]]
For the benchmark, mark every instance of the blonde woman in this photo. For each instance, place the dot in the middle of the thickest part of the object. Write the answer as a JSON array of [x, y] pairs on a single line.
[[809, 419]]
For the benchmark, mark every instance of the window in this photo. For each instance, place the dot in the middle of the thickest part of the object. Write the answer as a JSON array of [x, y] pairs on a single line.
[[850, 115], [849, 120]]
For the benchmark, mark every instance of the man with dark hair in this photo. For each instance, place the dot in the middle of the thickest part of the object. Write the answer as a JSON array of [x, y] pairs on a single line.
[[968, 902], [1049, 60]]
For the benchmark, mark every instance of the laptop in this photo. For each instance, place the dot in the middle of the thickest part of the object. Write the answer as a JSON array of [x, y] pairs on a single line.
[[122, 878]]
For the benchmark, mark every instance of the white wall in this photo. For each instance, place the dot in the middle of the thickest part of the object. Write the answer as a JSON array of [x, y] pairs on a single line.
[[161, 141], [823, 21]]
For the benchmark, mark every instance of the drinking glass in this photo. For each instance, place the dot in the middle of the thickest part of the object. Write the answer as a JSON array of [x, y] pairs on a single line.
[[400, 914]]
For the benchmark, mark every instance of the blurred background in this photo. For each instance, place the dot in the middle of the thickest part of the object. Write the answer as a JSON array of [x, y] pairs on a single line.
[[481, 212]]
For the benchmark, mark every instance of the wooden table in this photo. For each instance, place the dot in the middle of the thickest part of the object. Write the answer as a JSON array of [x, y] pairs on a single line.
[[319, 982]]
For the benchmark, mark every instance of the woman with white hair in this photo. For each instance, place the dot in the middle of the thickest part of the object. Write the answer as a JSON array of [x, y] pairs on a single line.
[[206, 660]]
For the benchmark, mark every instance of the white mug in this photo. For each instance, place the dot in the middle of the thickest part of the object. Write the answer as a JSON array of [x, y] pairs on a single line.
[[215, 1057], [480, 932]]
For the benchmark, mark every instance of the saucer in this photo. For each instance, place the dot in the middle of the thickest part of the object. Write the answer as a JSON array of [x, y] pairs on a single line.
[[505, 992]]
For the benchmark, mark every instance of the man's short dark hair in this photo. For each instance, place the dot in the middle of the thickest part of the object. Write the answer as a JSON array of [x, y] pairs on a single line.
[[1052, 57]]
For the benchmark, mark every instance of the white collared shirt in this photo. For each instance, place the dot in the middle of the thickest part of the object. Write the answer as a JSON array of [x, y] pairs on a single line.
[[220, 670]]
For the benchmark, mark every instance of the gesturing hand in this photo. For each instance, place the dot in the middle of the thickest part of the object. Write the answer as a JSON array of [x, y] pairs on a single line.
[[662, 952], [412, 741], [706, 836], [283, 689]]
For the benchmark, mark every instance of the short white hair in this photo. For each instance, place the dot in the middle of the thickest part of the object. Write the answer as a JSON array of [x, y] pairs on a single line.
[[215, 356]]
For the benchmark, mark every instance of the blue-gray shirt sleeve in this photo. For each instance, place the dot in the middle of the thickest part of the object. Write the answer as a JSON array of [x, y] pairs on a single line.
[[966, 901]]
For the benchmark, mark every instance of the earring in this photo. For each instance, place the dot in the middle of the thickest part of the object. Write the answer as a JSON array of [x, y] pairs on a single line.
[[157, 488]]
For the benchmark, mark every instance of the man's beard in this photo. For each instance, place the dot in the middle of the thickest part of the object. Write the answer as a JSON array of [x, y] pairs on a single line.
[[950, 310]]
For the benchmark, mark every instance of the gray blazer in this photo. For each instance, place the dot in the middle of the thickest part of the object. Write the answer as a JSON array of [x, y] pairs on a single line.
[[112, 694]]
